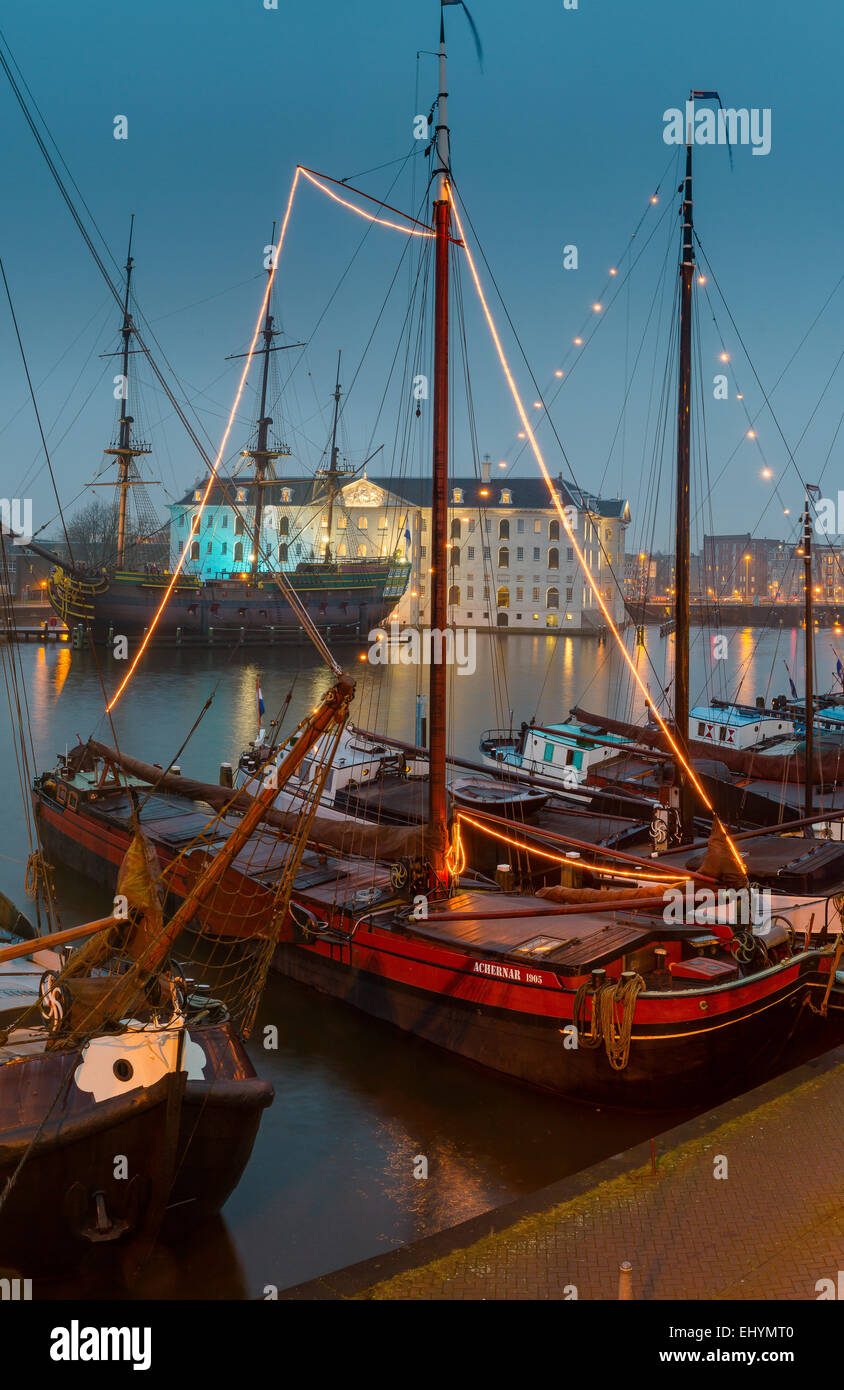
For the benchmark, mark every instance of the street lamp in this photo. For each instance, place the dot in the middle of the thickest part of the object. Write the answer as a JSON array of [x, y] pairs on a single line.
[[747, 560]]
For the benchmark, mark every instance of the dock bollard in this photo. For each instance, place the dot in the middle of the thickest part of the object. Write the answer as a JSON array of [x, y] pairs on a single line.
[[625, 1281], [210, 636], [178, 636], [175, 770], [571, 873], [272, 639], [226, 775]]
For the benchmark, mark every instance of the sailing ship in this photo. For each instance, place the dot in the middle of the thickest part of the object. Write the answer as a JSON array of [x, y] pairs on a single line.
[[587, 991], [256, 591]]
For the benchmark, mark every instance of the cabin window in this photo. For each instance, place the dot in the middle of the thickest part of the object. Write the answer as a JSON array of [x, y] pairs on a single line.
[[548, 755], [701, 728], [722, 734]]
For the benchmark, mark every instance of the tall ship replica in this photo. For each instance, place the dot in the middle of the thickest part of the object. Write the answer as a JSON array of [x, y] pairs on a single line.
[[260, 586]]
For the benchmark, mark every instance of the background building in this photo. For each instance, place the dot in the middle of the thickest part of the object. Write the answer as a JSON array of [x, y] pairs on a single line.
[[510, 564]]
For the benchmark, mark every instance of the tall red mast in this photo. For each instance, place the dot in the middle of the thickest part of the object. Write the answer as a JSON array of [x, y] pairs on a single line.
[[437, 824]]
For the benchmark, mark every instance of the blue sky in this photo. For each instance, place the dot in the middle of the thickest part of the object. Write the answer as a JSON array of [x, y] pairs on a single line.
[[558, 141]]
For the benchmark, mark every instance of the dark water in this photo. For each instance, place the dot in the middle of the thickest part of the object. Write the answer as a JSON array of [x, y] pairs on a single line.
[[331, 1179]]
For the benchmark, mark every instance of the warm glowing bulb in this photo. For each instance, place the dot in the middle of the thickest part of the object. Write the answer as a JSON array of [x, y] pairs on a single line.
[[751, 434], [654, 199], [558, 372], [597, 308], [739, 396], [521, 434], [786, 511], [725, 357], [613, 270], [577, 342], [537, 405], [766, 473], [701, 279]]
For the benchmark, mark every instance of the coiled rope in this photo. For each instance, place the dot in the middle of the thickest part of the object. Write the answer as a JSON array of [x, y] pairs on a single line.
[[611, 1022]]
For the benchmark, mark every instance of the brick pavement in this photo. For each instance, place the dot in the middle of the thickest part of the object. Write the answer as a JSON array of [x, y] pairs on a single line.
[[770, 1229]]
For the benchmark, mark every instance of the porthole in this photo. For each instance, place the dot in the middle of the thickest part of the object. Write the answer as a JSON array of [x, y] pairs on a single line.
[[123, 1070]]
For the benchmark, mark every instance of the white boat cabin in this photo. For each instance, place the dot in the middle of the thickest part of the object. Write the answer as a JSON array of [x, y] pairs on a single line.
[[565, 752], [735, 728]]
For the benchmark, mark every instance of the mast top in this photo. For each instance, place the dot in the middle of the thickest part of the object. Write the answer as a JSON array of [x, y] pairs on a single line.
[[442, 168]]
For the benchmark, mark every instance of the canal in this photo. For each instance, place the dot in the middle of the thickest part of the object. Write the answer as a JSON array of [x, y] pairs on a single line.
[[357, 1104]]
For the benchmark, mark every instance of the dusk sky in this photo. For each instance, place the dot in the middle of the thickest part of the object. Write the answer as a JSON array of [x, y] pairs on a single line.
[[557, 141]]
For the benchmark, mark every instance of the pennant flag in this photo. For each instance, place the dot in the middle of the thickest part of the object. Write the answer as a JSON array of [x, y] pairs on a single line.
[[794, 694], [475, 35], [260, 700]]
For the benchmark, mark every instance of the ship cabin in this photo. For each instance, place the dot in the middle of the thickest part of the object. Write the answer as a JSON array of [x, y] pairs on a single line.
[[563, 752], [732, 726]]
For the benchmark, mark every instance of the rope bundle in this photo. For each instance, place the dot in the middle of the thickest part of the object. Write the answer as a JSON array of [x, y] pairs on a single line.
[[611, 1023]]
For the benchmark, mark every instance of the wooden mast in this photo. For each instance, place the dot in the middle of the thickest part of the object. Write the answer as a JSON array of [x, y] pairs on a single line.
[[260, 453], [437, 839], [809, 645], [682, 521], [125, 450], [333, 471]]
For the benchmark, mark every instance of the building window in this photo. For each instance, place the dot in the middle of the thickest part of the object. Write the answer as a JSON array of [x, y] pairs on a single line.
[[382, 523], [363, 523], [553, 530], [553, 558], [224, 547], [520, 526], [506, 499], [209, 547], [570, 553], [225, 521], [455, 529], [535, 595], [284, 526], [341, 549], [470, 593], [470, 551], [502, 598], [194, 550], [536, 553], [471, 525], [457, 494], [520, 593], [520, 552], [455, 556], [282, 552], [241, 494], [552, 599], [342, 522], [504, 530], [453, 595], [361, 550], [285, 494], [238, 525], [537, 525], [486, 552], [503, 557], [238, 553], [569, 595]]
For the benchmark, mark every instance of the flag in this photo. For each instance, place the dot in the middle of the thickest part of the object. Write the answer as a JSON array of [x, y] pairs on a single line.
[[260, 700], [475, 35], [794, 694]]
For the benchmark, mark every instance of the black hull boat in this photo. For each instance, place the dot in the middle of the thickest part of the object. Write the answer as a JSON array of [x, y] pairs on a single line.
[[341, 599], [133, 1160]]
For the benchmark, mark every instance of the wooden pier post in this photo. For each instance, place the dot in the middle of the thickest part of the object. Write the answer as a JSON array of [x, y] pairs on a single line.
[[625, 1281]]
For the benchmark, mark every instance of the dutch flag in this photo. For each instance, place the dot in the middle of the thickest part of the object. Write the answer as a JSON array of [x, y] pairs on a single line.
[[260, 701]]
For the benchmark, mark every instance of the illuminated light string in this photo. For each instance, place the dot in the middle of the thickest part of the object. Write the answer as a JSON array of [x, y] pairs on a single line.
[[212, 477], [530, 848], [514, 391], [370, 217]]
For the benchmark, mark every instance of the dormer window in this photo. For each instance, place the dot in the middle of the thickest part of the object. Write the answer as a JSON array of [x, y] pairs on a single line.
[[505, 496], [197, 496], [457, 495], [285, 494], [241, 494]]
